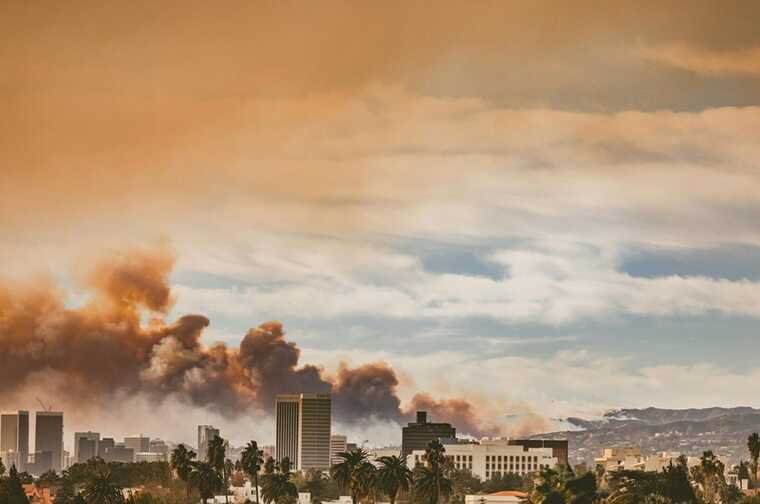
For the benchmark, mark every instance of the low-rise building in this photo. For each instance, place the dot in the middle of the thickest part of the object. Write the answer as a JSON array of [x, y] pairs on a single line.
[[490, 458], [240, 494], [376, 453], [247, 493], [150, 457], [613, 459], [343, 499]]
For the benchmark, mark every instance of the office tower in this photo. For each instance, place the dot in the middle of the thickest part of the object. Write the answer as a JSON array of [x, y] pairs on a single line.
[[158, 446], [137, 443], [316, 420], [86, 449], [14, 438], [303, 430], [105, 444], [205, 434], [417, 435], [48, 437], [338, 445], [286, 436], [91, 446]]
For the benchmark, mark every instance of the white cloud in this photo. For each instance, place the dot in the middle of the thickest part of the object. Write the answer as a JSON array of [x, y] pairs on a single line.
[[551, 283]]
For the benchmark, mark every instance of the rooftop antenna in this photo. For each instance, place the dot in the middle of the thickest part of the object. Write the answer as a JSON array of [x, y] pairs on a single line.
[[46, 409]]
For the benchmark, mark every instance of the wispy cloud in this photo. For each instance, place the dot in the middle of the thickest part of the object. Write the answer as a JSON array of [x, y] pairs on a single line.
[[553, 283], [707, 61]]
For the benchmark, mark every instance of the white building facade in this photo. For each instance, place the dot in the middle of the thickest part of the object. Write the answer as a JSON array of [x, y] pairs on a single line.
[[491, 458]]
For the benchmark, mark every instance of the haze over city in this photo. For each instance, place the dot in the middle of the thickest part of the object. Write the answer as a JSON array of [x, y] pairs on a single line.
[[534, 211]]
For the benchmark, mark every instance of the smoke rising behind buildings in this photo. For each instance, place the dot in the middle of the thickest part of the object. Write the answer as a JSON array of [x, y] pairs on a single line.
[[118, 343]]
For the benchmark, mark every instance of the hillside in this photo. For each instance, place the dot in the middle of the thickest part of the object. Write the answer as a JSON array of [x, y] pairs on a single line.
[[689, 431]]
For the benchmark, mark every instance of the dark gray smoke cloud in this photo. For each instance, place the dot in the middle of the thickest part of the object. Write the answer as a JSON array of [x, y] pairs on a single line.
[[103, 348]]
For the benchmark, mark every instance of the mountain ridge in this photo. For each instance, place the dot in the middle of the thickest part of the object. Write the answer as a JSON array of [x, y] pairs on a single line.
[[691, 431]]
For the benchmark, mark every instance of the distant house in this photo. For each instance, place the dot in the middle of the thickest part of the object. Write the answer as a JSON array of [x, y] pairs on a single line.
[[247, 493]]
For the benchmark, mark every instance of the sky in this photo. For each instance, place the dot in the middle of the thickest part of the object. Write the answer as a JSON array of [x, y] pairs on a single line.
[[551, 208]]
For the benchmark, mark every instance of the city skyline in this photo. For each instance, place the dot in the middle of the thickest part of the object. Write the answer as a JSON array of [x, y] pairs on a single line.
[[506, 214]]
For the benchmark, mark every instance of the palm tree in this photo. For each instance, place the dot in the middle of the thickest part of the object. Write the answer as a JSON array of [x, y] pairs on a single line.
[[316, 484], [205, 478], [65, 492], [431, 483], [216, 457], [676, 485], [753, 444], [12, 490], [250, 461], [710, 474], [348, 472], [392, 476], [276, 485], [365, 482], [270, 466], [101, 489], [182, 463]]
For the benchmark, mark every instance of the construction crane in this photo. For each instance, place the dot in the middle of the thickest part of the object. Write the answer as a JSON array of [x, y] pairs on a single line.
[[46, 409]]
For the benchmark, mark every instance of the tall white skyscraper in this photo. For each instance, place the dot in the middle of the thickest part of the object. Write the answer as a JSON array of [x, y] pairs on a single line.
[[205, 434], [14, 438], [303, 430], [48, 439]]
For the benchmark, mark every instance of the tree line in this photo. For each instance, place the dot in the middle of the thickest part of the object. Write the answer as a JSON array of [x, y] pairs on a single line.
[[185, 479]]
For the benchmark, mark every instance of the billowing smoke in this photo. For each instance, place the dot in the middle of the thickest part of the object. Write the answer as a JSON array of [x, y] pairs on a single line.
[[106, 347]]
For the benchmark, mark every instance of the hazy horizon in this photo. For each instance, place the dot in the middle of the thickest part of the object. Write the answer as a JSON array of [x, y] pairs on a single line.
[[520, 211]]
